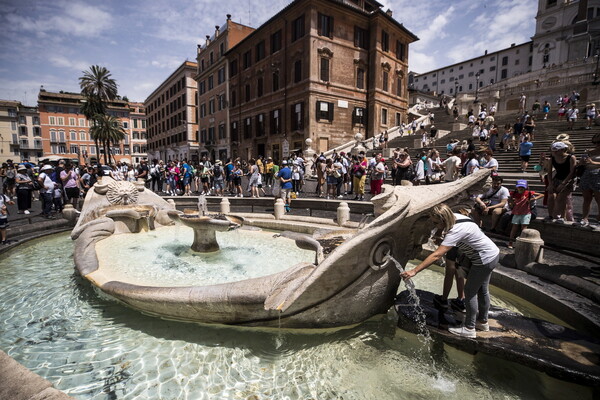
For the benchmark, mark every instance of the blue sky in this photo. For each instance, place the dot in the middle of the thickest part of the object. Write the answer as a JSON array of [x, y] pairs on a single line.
[[141, 42]]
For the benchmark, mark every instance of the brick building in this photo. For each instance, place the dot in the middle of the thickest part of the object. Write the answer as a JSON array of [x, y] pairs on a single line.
[[136, 142], [65, 130], [171, 116], [324, 70]]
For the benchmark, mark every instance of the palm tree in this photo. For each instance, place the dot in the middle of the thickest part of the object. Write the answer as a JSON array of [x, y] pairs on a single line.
[[106, 130], [98, 88]]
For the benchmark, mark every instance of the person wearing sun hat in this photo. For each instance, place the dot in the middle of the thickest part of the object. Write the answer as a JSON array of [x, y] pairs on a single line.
[[46, 189], [521, 201], [561, 168], [24, 189]]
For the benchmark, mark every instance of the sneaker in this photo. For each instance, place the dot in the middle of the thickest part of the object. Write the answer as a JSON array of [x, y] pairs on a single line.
[[548, 219], [559, 220], [26, 212], [458, 305], [482, 326], [340, 197], [439, 302], [510, 245], [463, 331], [582, 223]]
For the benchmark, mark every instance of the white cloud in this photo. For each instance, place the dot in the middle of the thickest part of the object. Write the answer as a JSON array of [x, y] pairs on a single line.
[[64, 62]]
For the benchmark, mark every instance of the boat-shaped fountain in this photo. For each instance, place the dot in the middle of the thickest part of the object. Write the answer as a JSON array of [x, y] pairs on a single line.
[[355, 281]]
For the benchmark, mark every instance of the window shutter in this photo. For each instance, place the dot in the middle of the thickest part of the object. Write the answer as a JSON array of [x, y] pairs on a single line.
[[320, 23], [293, 119], [318, 112], [331, 27], [330, 112]]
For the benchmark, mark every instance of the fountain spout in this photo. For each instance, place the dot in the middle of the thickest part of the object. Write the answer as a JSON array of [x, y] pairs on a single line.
[[202, 207]]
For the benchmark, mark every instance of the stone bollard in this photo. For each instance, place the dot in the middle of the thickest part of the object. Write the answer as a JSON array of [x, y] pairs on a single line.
[[225, 206], [70, 214], [528, 248], [343, 213], [279, 208]]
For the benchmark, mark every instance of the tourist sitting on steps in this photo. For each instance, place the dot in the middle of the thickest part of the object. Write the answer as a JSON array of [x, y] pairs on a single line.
[[483, 254], [493, 202]]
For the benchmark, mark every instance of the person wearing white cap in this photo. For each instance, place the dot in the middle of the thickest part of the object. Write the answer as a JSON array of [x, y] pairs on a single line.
[[562, 171], [24, 189], [46, 190]]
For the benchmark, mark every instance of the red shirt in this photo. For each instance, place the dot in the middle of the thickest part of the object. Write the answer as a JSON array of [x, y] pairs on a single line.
[[522, 205]]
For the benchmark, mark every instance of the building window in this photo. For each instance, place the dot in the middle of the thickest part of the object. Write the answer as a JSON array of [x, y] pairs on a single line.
[[361, 37], [260, 50], [276, 41], [492, 68], [81, 121], [72, 122], [221, 48], [23, 130], [37, 131], [504, 60], [211, 82], [202, 87], [324, 111], [325, 25], [248, 128], [221, 75], [259, 87], [399, 86], [234, 132], [202, 110], [82, 135], [298, 28], [247, 59], [385, 41], [360, 78], [297, 71], [400, 50], [275, 122], [471, 73], [275, 83], [517, 61], [442, 81], [233, 98], [551, 3], [324, 69], [384, 116], [359, 115], [247, 92], [503, 73], [233, 68], [211, 134], [398, 119], [297, 120], [211, 106], [222, 131], [385, 80], [72, 135], [61, 121], [260, 125]]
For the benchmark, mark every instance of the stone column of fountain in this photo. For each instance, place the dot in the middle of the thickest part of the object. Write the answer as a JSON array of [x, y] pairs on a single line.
[[205, 225]]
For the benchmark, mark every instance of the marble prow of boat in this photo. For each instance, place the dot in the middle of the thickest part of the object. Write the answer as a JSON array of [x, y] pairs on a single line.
[[556, 350]]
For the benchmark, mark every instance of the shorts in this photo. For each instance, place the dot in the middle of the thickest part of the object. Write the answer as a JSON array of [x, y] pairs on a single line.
[[525, 158], [521, 219], [218, 184], [72, 193], [237, 180], [3, 223], [284, 194], [590, 180], [452, 254], [186, 180], [204, 179]]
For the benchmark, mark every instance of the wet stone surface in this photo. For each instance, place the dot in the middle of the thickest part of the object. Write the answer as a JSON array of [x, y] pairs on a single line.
[[556, 350]]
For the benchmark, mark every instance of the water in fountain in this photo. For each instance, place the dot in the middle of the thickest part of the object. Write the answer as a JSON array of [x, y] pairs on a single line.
[[96, 349]]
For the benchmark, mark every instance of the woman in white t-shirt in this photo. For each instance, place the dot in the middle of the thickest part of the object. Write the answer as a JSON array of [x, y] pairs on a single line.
[[483, 254]]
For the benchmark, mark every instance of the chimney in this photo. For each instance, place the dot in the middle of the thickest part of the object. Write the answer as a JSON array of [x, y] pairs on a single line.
[[228, 17], [485, 54], [389, 12], [207, 40], [216, 31]]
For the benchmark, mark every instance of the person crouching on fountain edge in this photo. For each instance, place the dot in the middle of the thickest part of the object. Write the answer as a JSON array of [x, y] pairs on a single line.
[[483, 254]]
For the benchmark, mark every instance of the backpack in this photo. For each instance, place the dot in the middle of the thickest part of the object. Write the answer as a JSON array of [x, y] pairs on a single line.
[[577, 96], [217, 171]]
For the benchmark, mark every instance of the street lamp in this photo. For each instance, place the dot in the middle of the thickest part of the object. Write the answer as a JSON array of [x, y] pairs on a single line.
[[477, 75]]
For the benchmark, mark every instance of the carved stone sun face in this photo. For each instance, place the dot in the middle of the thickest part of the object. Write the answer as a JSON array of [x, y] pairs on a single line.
[[122, 192]]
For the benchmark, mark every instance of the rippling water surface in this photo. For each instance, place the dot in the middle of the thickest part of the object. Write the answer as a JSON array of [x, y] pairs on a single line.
[[55, 324]]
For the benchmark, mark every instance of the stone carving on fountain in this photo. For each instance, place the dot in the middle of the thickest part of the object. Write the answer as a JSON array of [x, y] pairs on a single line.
[[355, 281]]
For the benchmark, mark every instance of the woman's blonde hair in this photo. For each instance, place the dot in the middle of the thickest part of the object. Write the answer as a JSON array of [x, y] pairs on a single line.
[[444, 214]]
